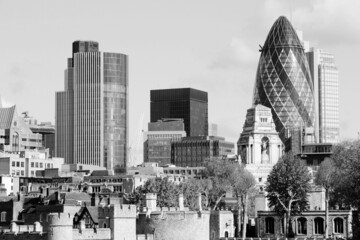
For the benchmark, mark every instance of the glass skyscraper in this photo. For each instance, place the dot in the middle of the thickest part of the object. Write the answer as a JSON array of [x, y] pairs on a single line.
[[283, 80], [326, 85], [91, 114]]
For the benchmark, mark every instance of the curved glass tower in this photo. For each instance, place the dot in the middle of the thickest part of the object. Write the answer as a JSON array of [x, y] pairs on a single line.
[[283, 80]]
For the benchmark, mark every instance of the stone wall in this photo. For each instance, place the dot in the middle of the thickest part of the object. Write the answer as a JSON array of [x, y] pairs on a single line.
[[175, 225]]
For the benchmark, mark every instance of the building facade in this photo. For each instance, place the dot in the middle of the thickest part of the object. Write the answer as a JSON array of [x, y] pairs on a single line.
[[283, 80], [195, 151], [189, 104], [26, 163], [158, 140], [259, 145], [16, 134], [92, 111], [326, 88]]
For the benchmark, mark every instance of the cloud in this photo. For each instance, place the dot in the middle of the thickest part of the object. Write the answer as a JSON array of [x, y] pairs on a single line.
[[236, 54]]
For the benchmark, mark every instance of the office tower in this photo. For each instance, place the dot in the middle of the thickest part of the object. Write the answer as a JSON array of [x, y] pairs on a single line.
[[186, 103], [92, 111], [283, 81], [326, 90], [158, 140]]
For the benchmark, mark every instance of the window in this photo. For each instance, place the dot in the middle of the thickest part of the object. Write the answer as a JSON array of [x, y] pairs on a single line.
[[302, 228], [3, 216], [319, 225], [41, 164], [338, 225], [18, 164], [269, 225], [13, 164], [22, 173], [32, 164], [37, 164], [32, 173], [22, 164]]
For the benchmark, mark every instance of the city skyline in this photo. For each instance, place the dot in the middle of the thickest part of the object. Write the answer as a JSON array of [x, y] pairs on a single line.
[[206, 45]]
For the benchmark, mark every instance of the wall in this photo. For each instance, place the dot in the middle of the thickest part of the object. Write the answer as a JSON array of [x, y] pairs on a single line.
[[24, 236], [98, 234], [175, 225]]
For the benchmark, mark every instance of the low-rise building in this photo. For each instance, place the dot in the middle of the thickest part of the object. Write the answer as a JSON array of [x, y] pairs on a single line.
[[159, 137], [18, 135], [26, 163], [195, 151]]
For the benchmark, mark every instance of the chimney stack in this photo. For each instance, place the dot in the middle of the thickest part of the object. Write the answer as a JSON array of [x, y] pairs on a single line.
[[181, 202], [150, 201], [199, 202]]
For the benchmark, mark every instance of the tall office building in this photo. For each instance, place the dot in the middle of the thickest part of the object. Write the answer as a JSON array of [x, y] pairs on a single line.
[[283, 81], [326, 90], [92, 111], [186, 103]]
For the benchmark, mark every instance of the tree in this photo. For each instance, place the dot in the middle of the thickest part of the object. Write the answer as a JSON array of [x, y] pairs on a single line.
[[287, 186], [167, 191], [219, 172], [346, 193], [191, 188], [325, 178], [243, 182]]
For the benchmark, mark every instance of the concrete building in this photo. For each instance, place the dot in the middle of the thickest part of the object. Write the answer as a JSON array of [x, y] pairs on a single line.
[[26, 163], [15, 134], [47, 131], [189, 104], [325, 75], [195, 151], [158, 140], [92, 111]]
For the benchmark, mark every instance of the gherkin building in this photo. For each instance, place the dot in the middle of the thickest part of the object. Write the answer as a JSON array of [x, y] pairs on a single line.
[[283, 80]]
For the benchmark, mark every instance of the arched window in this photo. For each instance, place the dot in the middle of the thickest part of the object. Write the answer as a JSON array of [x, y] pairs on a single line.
[[269, 225], [302, 228], [3, 216], [338, 225], [319, 225], [226, 234]]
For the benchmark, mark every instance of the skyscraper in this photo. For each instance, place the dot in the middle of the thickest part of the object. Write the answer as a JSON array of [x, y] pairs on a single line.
[[283, 80], [92, 111], [186, 103], [326, 90]]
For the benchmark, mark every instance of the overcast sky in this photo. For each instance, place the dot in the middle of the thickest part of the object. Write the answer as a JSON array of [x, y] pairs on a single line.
[[207, 45]]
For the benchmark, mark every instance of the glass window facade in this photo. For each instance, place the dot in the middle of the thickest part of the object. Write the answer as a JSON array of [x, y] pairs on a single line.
[[189, 104], [283, 80], [91, 114]]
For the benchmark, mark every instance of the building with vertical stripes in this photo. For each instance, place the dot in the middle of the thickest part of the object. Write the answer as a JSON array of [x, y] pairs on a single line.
[[325, 74], [92, 111]]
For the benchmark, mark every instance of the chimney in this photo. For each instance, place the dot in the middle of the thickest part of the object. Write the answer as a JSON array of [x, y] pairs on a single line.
[[199, 202], [181, 202], [57, 197], [150, 201]]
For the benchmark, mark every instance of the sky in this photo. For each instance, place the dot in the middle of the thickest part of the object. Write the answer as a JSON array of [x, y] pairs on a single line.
[[204, 44]]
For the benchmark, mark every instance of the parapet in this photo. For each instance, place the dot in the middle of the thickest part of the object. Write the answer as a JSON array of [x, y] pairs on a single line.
[[60, 219], [117, 211]]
